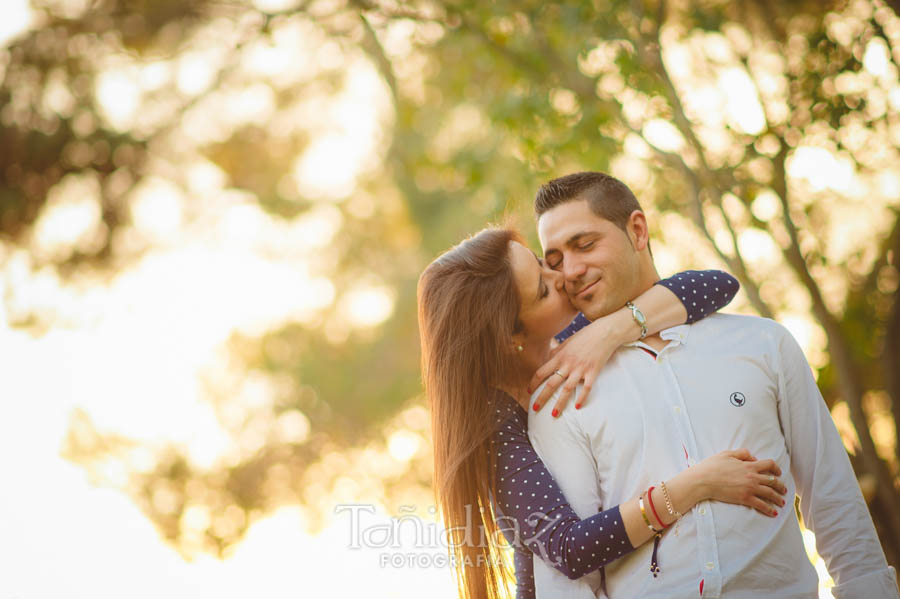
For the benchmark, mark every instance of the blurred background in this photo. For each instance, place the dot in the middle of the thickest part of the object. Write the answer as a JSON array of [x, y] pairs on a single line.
[[213, 215]]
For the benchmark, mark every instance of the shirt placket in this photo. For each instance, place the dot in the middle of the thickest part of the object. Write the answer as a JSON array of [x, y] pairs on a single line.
[[710, 583]]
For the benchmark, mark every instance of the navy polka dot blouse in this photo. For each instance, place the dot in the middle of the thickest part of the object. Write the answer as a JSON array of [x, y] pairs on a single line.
[[533, 513]]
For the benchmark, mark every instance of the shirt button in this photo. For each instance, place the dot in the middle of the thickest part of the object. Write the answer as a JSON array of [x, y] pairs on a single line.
[[703, 511], [710, 565], [692, 462], [677, 409]]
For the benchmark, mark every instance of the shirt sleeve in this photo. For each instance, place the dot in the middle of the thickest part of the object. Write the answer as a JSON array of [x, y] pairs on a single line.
[[830, 499], [703, 292], [540, 518]]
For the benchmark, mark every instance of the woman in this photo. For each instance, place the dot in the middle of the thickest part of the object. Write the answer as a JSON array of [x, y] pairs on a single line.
[[488, 310]]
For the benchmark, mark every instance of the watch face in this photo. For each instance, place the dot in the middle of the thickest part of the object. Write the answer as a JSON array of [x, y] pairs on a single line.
[[638, 315]]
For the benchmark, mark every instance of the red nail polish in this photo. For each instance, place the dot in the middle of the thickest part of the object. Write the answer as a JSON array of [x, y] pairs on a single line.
[[535, 406], [555, 412], [774, 512], [578, 406]]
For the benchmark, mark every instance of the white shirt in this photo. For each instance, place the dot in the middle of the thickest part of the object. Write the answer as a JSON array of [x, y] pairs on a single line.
[[725, 382]]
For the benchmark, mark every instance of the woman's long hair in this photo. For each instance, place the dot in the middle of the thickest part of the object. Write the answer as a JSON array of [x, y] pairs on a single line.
[[468, 313]]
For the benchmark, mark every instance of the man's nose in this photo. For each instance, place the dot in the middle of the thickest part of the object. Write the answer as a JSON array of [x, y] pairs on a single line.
[[573, 269]]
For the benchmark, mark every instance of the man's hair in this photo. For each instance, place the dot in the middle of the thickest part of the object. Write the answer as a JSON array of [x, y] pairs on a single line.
[[608, 197]]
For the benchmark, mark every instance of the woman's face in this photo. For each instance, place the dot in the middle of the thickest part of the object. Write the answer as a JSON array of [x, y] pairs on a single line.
[[545, 309]]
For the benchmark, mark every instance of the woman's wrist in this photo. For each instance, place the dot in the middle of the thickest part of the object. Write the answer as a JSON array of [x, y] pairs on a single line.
[[687, 489], [623, 327]]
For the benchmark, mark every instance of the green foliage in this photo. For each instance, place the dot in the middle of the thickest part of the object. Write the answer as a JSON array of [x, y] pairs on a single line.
[[489, 100]]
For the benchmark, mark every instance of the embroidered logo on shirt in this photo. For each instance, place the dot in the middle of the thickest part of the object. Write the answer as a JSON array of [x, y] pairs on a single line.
[[738, 399]]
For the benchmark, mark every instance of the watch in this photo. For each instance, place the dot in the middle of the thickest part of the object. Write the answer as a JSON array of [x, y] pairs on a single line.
[[639, 318]]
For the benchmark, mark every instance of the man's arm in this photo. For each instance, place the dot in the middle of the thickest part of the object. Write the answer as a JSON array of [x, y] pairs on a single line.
[[830, 499]]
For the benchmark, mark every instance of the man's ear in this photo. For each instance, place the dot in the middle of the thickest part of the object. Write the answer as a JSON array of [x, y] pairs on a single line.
[[638, 231]]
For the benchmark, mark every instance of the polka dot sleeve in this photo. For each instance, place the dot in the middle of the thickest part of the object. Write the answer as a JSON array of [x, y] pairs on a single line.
[[702, 292], [534, 515]]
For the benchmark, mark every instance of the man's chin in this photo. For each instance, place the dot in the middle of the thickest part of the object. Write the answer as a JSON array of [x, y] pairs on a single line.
[[592, 306]]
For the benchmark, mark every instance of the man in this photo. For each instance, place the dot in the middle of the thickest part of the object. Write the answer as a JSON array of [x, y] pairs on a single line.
[[672, 399]]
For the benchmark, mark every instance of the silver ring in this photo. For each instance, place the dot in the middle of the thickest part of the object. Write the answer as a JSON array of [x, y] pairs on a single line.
[[771, 478], [560, 374]]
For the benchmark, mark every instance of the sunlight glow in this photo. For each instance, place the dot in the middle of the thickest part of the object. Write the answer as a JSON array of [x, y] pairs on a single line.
[[145, 351], [119, 94], [156, 209], [403, 445], [758, 247], [664, 135], [349, 140], [765, 206], [70, 219], [195, 72], [821, 169], [742, 103], [876, 59], [368, 306], [17, 17]]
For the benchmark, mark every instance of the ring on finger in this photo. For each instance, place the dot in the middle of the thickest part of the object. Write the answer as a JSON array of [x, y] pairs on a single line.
[[558, 373], [771, 478]]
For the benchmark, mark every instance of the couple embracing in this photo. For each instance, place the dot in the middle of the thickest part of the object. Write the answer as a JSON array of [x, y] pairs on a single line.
[[674, 473]]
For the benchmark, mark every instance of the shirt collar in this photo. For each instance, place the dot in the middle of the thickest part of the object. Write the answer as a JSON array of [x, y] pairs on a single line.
[[676, 335], [679, 333]]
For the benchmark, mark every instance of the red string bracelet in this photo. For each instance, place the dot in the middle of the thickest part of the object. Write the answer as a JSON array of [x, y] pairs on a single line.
[[653, 508]]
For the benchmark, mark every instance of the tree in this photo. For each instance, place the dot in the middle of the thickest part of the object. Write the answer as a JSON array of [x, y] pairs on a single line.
[[764, 134]]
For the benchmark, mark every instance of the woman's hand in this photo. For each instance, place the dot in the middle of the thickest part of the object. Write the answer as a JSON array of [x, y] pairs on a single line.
[[735, 476], [578, 360]]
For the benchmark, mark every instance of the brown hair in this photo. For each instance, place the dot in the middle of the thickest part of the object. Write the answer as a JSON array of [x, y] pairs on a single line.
[[468, 313], [608, 197]]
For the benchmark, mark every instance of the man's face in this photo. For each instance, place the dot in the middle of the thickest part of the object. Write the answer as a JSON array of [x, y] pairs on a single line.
[[598, 260]]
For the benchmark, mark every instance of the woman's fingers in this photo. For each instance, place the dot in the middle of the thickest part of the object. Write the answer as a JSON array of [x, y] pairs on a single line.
[[542, 373], [769, 466], [556, 350], [769, 494], [547, 392], [774, 482], [568, 389], [741, 454], [588, 383], [762, 507]]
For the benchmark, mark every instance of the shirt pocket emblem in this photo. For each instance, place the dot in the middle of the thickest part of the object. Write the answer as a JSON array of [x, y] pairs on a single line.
[[737, 399]]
